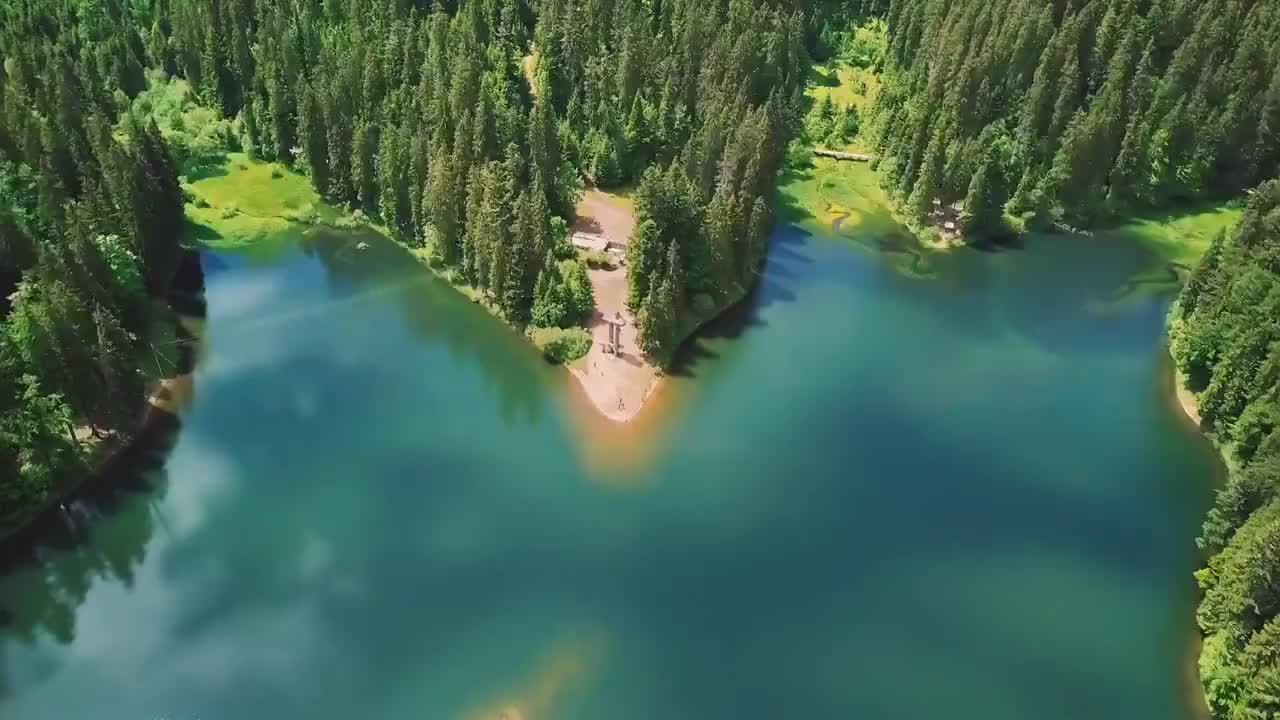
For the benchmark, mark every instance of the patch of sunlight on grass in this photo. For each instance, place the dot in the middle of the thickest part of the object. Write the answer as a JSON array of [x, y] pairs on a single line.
[[1181, 236], [529, 63], [255, 206], [256, 188]]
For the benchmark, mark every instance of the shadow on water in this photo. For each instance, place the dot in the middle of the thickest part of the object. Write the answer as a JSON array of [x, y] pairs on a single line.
[[57, 557], [65, 530], [998, 243], [786, 262]]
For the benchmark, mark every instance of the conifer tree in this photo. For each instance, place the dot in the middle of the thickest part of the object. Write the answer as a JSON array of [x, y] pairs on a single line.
[[657, 323], [314, 135]]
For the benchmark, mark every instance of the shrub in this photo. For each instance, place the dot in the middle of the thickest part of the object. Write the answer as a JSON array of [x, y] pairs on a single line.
[[549, 307], [561, 346], [276, 174], [598, 259], [306, 215], [352, 221]]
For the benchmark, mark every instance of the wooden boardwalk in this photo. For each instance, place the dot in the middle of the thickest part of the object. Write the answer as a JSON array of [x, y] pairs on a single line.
[[836, 154]]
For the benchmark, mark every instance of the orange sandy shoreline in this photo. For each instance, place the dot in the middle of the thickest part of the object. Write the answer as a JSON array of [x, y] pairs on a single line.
[[1197, 703]]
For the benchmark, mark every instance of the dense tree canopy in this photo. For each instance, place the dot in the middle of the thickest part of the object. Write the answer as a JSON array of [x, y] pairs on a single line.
[[1226, 337], [1105, 105], [467, 127], [90, 218], [423, 114]]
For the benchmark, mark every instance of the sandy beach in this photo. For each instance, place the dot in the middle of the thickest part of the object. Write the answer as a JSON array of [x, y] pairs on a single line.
[[616, 385], [1187, 400]]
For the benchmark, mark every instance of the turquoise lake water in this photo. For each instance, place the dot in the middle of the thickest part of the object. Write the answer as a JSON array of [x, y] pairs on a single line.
[[871, 495]]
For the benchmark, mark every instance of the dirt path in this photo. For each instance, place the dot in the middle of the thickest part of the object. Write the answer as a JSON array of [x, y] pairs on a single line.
[[612, 216], [617, 385]]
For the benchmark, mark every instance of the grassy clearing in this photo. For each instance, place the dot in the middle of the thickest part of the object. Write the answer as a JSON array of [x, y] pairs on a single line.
[[257, 189], [1181, 236], [845, 85], [622, 197], [258, 207], [831, 196], [846, 199], [841, 198]]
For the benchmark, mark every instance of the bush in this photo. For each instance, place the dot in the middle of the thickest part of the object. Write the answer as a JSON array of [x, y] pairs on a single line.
[[229, 212], [598, 259], [549, 306], [276, 174], [350, 222], [306, 215], [199, 138], [561, 346]]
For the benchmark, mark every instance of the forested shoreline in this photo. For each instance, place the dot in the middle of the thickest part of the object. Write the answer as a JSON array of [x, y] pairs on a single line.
[[466, 128], [90, 218], [1225, 336], [1073, 113]]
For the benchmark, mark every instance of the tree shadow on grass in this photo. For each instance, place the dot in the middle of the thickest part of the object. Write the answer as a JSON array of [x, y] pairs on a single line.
[[820, 80], [586, 224], [1172, 212], [196, 172], [798, 168], [198, 233]]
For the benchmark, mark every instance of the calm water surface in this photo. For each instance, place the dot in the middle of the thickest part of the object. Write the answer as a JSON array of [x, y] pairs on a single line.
[[878, 496]]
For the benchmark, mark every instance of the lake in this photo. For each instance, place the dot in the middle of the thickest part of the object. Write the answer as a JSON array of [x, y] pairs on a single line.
[[863, 494]]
